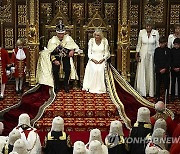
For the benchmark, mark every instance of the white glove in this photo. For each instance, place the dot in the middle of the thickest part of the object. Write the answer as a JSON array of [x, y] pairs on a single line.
[[8, 72]]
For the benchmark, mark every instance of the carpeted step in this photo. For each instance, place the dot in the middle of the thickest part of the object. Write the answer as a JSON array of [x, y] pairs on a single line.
[[14, 114]]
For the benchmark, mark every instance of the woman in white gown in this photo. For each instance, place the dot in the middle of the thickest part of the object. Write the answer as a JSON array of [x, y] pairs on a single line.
[[98, 53], [147, 42]]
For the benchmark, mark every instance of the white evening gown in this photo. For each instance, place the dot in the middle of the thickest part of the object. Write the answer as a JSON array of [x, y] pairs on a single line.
[[144, 82], [94, 80]]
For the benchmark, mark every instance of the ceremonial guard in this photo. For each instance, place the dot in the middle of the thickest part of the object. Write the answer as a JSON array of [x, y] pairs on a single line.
[[20, 64]]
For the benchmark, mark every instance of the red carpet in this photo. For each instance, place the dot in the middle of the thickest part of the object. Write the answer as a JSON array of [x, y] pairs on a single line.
[[30, 104]]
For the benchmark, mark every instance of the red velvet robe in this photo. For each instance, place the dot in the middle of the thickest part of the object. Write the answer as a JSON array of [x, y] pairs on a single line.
[[175, 147], [4, 60], [19, 65]]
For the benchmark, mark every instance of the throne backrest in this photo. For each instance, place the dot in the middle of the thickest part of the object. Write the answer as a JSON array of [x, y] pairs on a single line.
[[50, 30], [87, 31]]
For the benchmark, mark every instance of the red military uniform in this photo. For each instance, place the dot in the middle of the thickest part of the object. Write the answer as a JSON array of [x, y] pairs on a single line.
[[4, 60], [19, 65]]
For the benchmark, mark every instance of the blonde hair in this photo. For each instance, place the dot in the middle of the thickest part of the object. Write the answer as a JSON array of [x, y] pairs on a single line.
[[98, 31]]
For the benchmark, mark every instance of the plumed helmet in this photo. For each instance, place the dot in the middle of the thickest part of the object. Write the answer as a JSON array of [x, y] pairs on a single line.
[[160, 123], [163, 152], [151, 150], [95, 134], [95, 147], [24, 119], [116, 128], [57, 124], [13, 136], [1, 127], [79, 148], [20, 42], [143, 115], [20, 147], [159, 106], [158, 137], [60, 28]]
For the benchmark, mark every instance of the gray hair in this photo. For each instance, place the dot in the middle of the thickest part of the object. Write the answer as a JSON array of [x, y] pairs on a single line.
[[98, 31]]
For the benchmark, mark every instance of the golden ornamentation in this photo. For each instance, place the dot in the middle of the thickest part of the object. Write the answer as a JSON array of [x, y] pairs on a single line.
[[134, 15], [175, 14], [155, 12], [123, 55], [78, 11], [94, 7], [110, 11], [46, 12], [6, 11], [61, 5], [22, 14], [32, 34], [9, 38], [162, 31], [133, 37], [21, 32]]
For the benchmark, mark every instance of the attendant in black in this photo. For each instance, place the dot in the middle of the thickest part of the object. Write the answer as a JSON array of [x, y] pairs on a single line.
[[175, 67], [162, 65]]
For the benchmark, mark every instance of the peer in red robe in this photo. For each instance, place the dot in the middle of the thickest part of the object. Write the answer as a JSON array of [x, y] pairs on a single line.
[[20, 64], [4, 61], [160, 113]]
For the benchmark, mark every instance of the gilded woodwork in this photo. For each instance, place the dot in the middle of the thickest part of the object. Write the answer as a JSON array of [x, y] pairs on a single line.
[[94, 7], [123, 51], [110, 11], [21, 32], [22, 14], [156, 12], [134, 15], [6, 11], [63, 6], [78, 11], [175, 14], [133, 37], [46, 12], [32, 33], [9, 38]]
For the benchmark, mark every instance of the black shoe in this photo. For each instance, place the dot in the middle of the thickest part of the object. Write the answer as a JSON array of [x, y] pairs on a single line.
[[66, 89], [172, 98], [1, 98], [21, 91], [17, 92]]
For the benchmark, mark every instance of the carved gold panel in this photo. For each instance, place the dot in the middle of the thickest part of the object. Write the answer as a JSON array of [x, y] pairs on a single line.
[[46, 12], [21, 32], [134, 37], [63, 6], [6, 11], [110, 11], [155, 12], [94, 7], [175, 14], [78, 11], [162, 31], [9, 38], [22, 14], [134, 15]]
